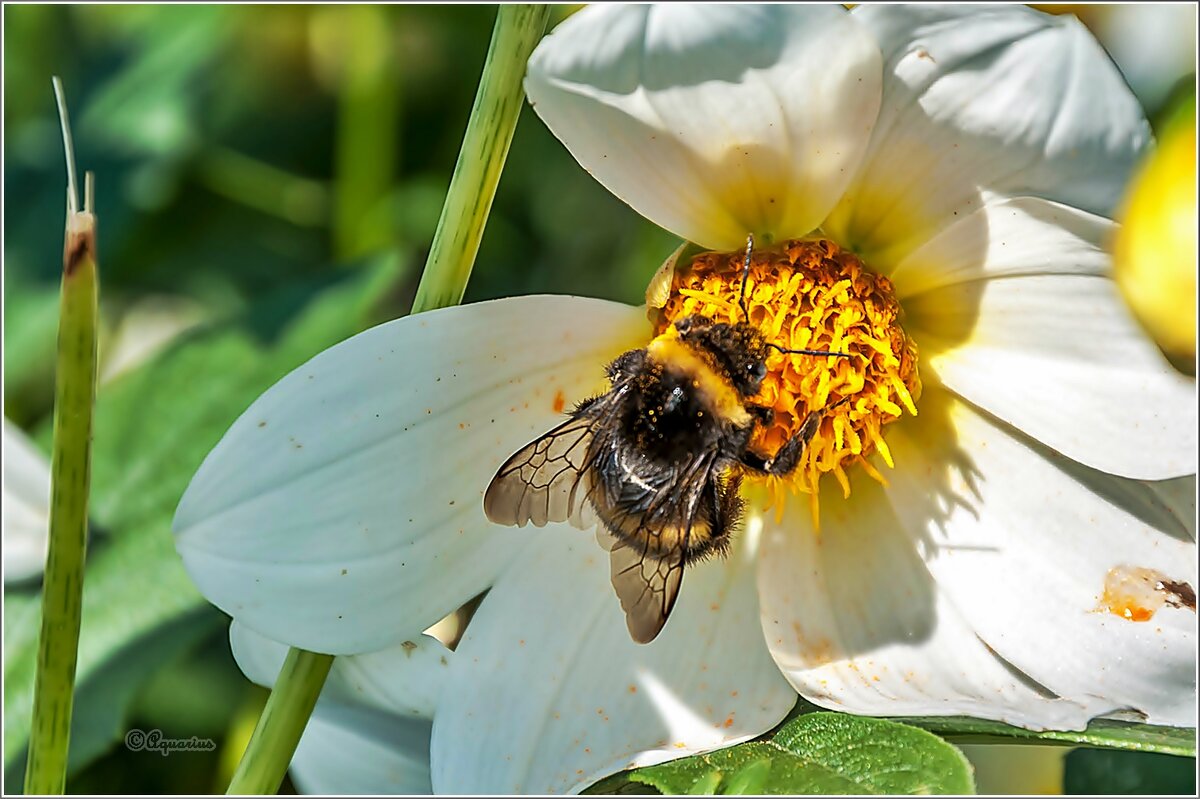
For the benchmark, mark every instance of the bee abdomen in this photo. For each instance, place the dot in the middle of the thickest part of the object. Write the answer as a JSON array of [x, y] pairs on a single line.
[[667, 532], [656, 540]]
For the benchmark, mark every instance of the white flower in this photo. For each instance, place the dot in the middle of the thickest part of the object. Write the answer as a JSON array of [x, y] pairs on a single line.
[[26, 506], [1155, 46], [968, 154], [369, 733]]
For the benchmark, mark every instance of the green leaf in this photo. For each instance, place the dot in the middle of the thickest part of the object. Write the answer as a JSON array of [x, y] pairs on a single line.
[[1104, 733], [914, 761], [22, 623], [619, 785], [784, 773], [134, 586], [153, 428], [105, 699], [1107, 771], [30, 331], [750, 778], [821, 753], [149, 106]]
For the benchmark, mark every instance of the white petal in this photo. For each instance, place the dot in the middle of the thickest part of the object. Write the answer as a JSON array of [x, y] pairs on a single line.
[[342, 512], [1007, 238], [1024, 540], [26, 525], [549, 694], [1178, 497], [856, 622], [985, 100], [1154, 44], [404, 680], [1060, 358], [354, 750], [713, 121]]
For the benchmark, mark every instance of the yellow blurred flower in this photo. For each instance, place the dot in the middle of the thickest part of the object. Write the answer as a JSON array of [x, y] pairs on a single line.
[[1014, 770], [1155, 248]]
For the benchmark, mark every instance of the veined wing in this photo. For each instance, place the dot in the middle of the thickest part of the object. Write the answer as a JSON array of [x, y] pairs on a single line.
[[650, 545], [646, 585], [546, 481]]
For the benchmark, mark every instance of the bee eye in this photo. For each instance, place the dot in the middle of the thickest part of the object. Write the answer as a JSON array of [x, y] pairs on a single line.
[[757, 370]]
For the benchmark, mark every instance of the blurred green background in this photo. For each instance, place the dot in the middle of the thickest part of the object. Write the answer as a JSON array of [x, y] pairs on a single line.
[[268, 182]]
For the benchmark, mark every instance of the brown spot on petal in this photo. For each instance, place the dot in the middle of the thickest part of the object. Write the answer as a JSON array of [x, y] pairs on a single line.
[[1180, 594], [1137, 593]]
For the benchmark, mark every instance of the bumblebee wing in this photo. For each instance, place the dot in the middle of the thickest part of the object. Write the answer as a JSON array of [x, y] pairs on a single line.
[[647, 586], [547, 481]]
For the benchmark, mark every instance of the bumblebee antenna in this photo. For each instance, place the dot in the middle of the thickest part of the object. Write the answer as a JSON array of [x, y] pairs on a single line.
[[807, 352], [746, 275]]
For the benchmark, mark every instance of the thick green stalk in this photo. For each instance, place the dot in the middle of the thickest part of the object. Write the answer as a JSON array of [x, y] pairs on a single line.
[[263, 187], [282, 722], [70, 470], [464, 214], [485, 146], [368, 131]]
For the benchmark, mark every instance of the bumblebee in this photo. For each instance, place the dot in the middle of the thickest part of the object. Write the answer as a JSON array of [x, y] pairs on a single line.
[[656, 462]]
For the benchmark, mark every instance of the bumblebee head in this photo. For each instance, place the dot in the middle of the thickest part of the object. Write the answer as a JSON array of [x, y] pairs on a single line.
[[738, 350], [755, 372], [743, 354]]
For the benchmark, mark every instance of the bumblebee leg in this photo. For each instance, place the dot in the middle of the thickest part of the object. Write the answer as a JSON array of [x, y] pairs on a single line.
[[688, 323], [761, 413], [723, 507], [789, 454], [728, 516], [626, 365], [584, 404]]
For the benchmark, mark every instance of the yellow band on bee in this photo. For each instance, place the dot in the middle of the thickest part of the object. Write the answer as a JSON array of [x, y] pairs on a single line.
[[672, 353]]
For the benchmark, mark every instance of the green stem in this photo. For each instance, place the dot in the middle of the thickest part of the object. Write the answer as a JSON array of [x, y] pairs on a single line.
[[264, 187], [368, 130], [70, 470], [485, 146], [282, 722]]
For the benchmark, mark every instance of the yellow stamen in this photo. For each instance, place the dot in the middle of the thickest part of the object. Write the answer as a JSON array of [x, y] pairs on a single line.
[[872, 472], [811, 294]]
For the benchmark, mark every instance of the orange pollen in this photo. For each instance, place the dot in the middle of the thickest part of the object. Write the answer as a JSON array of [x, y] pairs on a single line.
[[811, 294]]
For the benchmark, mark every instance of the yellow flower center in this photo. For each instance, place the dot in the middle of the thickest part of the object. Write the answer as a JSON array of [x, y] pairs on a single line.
[[811, 294]]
